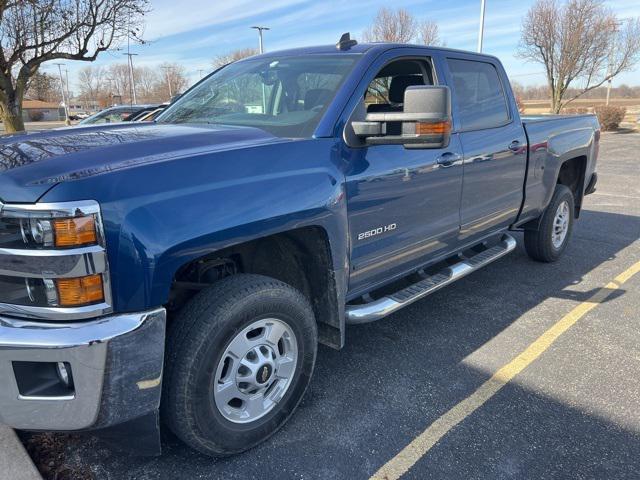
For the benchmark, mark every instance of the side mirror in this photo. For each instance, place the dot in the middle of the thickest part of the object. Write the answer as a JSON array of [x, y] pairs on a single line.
[[425, 120]]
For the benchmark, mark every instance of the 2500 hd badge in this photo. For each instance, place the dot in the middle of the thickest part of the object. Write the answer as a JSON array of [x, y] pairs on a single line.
[[377, 231]]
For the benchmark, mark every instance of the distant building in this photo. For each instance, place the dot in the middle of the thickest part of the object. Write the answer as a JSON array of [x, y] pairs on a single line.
[[77, 105], [39, 111]]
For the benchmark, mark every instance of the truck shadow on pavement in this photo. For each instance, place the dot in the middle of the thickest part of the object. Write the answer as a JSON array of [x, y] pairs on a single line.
[[398, 375]]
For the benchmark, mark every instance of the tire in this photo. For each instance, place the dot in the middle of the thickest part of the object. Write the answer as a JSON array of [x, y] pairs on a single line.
[[202, 340], [541, 244]]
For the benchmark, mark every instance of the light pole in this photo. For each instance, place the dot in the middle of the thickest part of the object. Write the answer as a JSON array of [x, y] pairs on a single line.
[[481, 31], [166, 69], [260, 29], [261, 44], [610, 66], [66, 74], [64, 100], [131, 79], [608, 81]]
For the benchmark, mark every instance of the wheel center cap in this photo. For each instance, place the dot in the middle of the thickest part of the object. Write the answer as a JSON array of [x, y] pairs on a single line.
[[264, 373]]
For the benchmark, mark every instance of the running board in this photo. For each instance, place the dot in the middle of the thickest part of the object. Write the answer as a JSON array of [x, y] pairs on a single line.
[[377, 309]]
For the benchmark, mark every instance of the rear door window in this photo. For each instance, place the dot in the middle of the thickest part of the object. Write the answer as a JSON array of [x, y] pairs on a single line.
[[478, 91]]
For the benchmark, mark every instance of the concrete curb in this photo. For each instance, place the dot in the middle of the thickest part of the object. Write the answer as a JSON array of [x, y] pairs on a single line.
[[15, 463]]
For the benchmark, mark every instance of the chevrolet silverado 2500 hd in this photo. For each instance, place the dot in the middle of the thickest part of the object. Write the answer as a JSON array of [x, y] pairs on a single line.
[[186, 269]]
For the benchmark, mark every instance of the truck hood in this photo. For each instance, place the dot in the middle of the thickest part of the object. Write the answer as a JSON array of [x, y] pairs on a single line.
[[32, 163]]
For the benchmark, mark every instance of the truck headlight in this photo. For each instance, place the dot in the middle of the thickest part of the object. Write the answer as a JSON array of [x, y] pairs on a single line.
[[40, 231], [36, 231], [53, 256]]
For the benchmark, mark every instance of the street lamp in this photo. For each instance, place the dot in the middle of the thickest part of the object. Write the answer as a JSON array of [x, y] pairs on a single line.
[[481, 31], [166, 69], [131, 78], [66, 73], [64, 100], [610, 65], [260, 29], [264, 92]]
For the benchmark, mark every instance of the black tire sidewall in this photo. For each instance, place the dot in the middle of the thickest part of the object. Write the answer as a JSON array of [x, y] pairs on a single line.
[[213, 433], [563, 194]]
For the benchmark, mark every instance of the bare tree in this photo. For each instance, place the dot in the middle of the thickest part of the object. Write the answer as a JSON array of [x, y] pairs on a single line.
[[147, 79], [44, 87], [578, 41], [397, 26], [36, 31], [119, 80], [428, 33], [173, 80], [114, 87], [91, 80], [234, 56]]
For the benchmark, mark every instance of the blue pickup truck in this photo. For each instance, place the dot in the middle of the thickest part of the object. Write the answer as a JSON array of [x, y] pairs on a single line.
[[182, 272]]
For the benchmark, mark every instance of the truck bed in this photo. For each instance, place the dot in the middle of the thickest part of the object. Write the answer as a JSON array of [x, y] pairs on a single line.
[[530, 119], [552, 140]]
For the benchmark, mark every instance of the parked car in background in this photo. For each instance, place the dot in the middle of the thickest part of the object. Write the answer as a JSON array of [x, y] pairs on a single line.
[[121, 113], [80, 116], [150, 116]]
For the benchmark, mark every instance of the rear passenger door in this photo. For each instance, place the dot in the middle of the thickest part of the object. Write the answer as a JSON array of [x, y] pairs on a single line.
[[493, 144]]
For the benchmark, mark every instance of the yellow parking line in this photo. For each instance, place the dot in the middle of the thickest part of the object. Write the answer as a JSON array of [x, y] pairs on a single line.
[[409, 455]]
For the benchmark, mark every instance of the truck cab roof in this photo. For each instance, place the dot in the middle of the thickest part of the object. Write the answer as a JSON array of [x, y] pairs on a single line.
[[360, 48]]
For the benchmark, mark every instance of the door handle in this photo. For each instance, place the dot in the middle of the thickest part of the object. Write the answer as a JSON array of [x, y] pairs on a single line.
[[514, 146], [448, 159]]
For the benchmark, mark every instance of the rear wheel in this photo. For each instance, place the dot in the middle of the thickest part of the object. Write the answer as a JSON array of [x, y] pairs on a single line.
[[548, 242], [240, 357]]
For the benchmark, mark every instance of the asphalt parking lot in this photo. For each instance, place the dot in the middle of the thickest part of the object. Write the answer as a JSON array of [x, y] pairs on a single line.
[[573, 412], [37, 126]]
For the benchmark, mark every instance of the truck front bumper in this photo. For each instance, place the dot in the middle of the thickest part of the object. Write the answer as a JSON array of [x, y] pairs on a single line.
[[113, 369]]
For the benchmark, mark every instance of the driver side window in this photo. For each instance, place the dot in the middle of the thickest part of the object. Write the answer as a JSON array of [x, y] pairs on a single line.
[[386, 92]]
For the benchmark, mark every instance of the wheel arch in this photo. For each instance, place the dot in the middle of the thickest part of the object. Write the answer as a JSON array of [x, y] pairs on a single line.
[[572, 174], [300, 257], [570, 171]]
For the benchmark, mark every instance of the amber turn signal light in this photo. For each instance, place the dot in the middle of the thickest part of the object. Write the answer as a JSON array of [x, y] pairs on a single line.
[[75, 232], [436, 128], [73, 292]]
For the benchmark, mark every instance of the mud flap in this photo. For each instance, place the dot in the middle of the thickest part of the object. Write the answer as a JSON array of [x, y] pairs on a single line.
[[139, 437]]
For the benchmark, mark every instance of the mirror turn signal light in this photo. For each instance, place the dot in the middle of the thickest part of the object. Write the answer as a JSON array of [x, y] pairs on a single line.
[[435, 128], [73, 292], [75, 232]]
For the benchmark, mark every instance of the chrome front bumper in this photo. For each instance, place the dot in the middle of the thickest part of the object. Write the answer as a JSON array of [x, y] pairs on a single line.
[[116, 365]]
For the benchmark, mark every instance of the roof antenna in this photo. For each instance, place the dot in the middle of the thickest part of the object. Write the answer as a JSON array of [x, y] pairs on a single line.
[[345, 42]]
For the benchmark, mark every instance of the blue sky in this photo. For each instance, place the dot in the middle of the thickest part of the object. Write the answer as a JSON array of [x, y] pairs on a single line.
[[193, 32]]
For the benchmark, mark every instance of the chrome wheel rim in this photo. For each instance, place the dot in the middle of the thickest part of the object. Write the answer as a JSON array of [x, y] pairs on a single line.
[[560, 225], [255, 371]]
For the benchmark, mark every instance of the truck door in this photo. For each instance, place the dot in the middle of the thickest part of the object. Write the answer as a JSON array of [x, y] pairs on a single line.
[[403, 204], [493, 142]]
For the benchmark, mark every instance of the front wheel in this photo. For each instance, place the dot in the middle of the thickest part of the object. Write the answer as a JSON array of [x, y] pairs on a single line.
[[240, 357], [548, 242]]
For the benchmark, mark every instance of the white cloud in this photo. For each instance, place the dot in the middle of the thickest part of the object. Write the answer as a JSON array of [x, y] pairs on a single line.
[[170, 17], [201, 29]]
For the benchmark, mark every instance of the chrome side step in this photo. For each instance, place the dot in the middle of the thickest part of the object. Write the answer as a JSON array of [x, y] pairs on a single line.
[[377, 309]]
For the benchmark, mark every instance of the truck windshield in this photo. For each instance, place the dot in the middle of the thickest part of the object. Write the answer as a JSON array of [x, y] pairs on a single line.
[[284, 96]]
